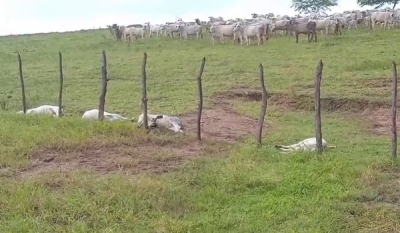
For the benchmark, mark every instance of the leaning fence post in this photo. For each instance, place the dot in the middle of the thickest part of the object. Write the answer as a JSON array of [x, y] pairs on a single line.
[[394, 112], [318, 128], [200, 104], [21, 77], [144, 92], [61, 85], [104, 81], [264, 105]]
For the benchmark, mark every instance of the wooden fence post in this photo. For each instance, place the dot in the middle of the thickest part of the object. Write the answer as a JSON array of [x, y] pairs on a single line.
[[144, 92], [3, 105], [61, 85], [21, 77], [200, 104], [394, 112], [318, 128], [104, 81], [264, 105]]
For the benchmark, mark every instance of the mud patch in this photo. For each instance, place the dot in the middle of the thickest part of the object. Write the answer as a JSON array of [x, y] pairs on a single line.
[[151, 156]]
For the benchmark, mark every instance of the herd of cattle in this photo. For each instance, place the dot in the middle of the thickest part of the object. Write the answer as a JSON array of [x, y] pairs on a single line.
[[260, 27]]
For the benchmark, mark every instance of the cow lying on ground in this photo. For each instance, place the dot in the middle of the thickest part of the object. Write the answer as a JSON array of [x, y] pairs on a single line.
[[43, 109], [94, 115], [162, 121], [309, 144], [173, 123]]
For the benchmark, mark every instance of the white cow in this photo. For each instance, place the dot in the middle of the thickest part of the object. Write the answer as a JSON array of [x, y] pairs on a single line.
[[280, 25], [160, 121], [309, 144], [352, 24], [94, 115], [156, 29], [44, 109], [387, 18], [135, 32], [221, 31], [170, 29], [247, 32], [322, 24], [185, 30]]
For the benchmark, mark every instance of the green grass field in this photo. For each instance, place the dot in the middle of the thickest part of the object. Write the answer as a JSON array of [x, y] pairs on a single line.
[[67, 175]]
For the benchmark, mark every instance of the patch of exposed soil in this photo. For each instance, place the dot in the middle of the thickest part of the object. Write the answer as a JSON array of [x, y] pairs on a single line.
[[221, 124], [380, 120], [244, 93], [303, 102], [105, 157], [221, 127], [377, 113], [378, 83]]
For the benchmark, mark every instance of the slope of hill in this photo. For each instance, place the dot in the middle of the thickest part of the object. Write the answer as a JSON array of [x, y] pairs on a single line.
[[66, 174]]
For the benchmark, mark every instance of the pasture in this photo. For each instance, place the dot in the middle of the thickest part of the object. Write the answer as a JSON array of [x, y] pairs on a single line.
[[69, 175]]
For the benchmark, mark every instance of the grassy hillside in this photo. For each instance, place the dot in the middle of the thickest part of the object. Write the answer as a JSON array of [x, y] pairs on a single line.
[[67, 175]]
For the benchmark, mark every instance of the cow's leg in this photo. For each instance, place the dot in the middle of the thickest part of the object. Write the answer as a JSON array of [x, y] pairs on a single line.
[[284, 148]]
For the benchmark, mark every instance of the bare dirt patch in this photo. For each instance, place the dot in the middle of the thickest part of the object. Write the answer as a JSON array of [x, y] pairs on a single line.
[[243, 93], [304, 102], [378, 83], [222, 124], [221, 127], [152, 156], [376, 113], [380, 120]]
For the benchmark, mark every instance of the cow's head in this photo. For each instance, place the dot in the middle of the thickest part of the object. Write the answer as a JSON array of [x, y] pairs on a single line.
[[212, 28], [153, 121], [236, 27]]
